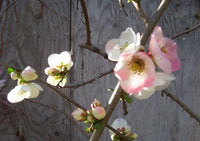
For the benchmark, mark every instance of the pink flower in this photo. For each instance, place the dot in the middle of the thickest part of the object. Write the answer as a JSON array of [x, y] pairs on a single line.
[[135, 72], [79, 114], [164, 51], [99, 112], [128, 42]]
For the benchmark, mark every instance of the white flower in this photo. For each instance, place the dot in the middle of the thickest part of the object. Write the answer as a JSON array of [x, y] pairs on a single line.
[[162, 81], [29, 74], [121, 125], [20, 92], [59, 64], [128, 42]]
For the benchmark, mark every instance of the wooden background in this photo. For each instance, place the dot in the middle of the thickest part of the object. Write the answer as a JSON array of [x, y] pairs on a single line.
[[32, 32]]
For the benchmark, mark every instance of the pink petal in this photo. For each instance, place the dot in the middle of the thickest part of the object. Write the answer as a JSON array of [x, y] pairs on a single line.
[[157, 33], [122, 71]]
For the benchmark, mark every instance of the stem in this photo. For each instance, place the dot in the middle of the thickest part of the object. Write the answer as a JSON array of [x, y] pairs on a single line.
[[87, 24], [185, 107]]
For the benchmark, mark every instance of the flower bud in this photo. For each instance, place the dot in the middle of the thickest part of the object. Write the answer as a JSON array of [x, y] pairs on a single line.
[[95, 103], [51, 71], [13, 75], [29, 74], [90, 119], [99, 112], [132, 135], [79, 114]]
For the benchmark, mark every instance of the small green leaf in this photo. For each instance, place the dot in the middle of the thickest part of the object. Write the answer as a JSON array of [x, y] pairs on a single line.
[[128, 99], [10, 69], [87, 129], [97, 125], [110, 89]]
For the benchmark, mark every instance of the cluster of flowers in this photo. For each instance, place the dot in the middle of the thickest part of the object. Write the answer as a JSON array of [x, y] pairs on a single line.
[[96, 113], [122, 126], [24, 89], [136, 69]]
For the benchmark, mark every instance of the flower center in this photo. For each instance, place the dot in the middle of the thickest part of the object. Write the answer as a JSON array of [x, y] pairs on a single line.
[[122, 48], [137, 65], [163, 49]]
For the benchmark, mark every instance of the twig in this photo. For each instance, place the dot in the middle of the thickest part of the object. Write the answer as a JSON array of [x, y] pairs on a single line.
[[2, 29], [122, 8], [63, 96], [62, 112], [89, 81], [139, 9], [95, 50], [118, 91], [186, 31], [161, 8], [4, 10], [87, 24], [52, 10], [185, 107]]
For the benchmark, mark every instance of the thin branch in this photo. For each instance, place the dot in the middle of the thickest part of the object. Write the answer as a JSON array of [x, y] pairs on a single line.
[[161, 8], [95, 50], [87, 24], [185, 107], [140, 11], [59, 111], [118, 91], [46, 6], [3, 29], [186, 31], [89, 81], [4, 10], [122, 7], [63, 96]]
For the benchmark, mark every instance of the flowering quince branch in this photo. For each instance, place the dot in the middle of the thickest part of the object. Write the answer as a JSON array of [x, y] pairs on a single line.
[[186, 32], [185, 107], [89, 81], [118, 91]]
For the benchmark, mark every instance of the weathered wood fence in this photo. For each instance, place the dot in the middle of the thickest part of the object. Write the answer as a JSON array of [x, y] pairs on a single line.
[[31, 30]]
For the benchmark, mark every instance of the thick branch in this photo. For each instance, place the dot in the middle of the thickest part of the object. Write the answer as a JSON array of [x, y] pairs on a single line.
[[118, 91], [185, 107], [87, 24], [161, 8]]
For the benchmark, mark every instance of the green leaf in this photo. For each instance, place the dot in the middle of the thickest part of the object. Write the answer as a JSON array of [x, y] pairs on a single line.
[[110, 89], [10, 69], [97, 124], [87, 129], [128, 99]]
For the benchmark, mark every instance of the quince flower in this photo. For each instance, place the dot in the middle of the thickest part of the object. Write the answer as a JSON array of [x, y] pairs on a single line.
[[79, 114], [162, 81], [99, 112], [135, 72], [128, 42], [59, 64], [24, 91], [28, 74], [164, 51]]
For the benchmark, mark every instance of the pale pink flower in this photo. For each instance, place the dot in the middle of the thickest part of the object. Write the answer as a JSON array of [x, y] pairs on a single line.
[[29, 74], [79, 114], [164, 51], [128, 42], [99, 112], [121, 125], [135, 72]]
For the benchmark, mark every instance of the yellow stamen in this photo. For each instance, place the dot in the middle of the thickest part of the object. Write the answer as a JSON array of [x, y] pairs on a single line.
[[124, 47], [163, 49], [137, 65]]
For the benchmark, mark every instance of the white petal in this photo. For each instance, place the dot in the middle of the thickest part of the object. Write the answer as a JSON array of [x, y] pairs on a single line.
[[145, 93], [53, 60], [53, 80], [127, 36], [65, 57], [113, 49]]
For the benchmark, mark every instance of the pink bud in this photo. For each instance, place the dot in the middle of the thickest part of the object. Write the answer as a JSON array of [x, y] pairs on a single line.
[[29, 74], [99, 112], [79, 114], [95, 103]]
